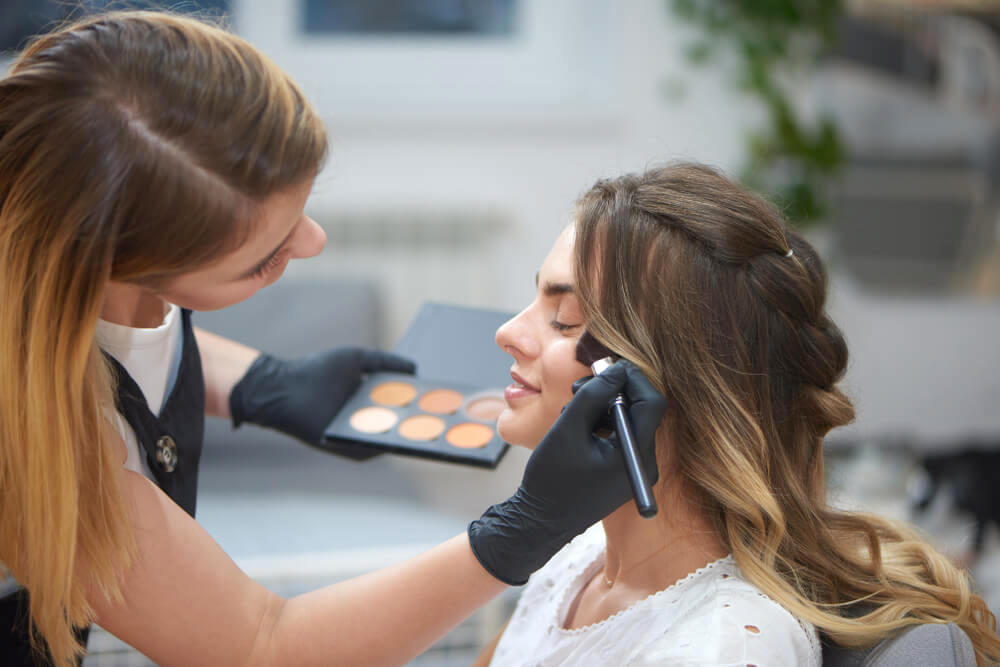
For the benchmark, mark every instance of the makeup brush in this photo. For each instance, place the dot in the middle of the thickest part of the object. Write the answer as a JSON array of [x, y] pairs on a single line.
[[592, 353]]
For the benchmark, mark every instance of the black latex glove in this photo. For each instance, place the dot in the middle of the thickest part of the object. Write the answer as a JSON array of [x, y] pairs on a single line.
[[301, 396], [573, 479]]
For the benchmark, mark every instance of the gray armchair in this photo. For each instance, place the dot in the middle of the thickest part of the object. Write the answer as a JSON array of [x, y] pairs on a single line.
[[926, 645]]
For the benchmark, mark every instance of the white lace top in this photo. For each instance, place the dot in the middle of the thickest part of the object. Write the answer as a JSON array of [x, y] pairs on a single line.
[[711, 617]]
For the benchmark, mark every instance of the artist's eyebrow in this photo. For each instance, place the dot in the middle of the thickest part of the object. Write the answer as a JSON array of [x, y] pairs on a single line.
[[260, 265], [555, 289]]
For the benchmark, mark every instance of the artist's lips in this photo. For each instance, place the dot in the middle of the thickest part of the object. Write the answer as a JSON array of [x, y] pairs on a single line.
[[519, 389]]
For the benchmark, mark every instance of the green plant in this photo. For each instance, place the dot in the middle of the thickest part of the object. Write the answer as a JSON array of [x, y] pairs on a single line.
[[769, 43]]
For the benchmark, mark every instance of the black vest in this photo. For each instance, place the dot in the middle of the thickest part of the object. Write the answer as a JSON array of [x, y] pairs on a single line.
[[172, 440], [172, 445]]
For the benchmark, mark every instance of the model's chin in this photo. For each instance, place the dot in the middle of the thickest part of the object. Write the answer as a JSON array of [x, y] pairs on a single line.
[[513, 429]]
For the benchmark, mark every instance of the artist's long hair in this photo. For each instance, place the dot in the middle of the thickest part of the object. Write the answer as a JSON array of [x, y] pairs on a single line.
[[689, 275], [134, 146]]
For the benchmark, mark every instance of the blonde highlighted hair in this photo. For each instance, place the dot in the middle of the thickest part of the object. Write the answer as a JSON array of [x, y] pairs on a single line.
[[134, 146], [689, 275]]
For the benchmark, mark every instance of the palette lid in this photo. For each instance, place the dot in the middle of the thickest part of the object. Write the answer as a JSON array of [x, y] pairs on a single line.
[[456, 344]]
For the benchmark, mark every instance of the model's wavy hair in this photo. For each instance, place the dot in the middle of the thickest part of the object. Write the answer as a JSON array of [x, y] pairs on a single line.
[[701, 284], [134, 146]]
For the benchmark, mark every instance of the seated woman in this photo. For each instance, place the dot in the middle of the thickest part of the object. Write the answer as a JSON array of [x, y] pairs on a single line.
[[721, 305]]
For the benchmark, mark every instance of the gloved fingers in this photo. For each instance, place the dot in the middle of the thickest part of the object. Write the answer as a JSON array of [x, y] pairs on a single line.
[[605, 425], [636, 387], [646, 405], [605, 445], [582, 381], [646, 446], [646, 409], [590, 403], [377, 360]]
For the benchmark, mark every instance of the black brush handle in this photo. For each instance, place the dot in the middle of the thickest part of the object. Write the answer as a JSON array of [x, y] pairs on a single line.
[[644, 500]]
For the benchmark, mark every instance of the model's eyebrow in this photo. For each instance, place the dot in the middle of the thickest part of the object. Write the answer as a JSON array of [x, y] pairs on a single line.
[[555, 289], [261, 264]]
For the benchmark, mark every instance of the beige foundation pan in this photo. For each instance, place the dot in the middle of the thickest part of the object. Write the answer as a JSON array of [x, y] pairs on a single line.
[[373, 420]]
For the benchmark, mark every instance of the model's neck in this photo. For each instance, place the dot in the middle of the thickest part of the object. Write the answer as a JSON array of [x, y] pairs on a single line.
[[132, 306], [654, 553]]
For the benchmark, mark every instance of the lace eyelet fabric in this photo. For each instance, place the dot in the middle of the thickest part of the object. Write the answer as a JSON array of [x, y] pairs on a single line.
[[712, 616]]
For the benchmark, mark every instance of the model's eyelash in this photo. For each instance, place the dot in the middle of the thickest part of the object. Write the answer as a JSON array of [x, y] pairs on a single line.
[[561, 326]]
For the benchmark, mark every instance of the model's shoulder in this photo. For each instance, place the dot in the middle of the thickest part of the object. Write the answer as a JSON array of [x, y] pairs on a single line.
[[732, 622], [754, 612]]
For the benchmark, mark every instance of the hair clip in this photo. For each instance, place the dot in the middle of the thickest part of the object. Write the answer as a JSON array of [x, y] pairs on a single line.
[[789, 253]]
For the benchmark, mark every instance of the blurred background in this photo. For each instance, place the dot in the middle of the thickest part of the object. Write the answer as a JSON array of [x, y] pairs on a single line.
[[462, 131]]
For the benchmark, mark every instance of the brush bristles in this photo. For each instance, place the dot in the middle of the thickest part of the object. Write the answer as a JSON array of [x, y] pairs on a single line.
[[589, 350]]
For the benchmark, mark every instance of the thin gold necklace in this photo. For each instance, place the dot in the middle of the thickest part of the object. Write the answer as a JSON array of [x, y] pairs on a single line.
[[611, 583]]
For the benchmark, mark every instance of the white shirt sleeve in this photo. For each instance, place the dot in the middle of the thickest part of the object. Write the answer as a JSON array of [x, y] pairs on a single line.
[[741, 628]]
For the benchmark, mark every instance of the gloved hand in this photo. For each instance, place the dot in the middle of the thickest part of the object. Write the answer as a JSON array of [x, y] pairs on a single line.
[[573, 479], [300, 397]]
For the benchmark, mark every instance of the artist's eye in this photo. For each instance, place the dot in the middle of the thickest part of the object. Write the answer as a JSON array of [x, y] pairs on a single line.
[[267, 267]]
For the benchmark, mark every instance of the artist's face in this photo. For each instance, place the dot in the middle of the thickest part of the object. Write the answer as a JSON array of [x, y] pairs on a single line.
[[542, 339], [283, 233]]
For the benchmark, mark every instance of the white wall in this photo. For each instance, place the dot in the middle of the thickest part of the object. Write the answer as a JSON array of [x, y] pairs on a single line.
[[518, 128]]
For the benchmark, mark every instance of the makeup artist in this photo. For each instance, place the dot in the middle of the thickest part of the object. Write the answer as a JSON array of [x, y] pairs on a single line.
[[151, 166]]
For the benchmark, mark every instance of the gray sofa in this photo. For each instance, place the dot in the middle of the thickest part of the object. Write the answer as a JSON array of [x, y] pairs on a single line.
[[289, 319]]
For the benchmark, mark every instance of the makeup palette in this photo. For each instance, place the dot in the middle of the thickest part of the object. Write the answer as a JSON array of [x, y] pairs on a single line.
[[448, 411]]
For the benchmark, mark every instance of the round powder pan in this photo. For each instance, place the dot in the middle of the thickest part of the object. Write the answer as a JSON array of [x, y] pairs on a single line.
[[394, 392], [421, 427], [469, 435], [485, 406], [373, 419], [441, 401]]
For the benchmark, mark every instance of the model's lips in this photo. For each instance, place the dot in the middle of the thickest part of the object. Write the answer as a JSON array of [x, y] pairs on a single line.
[[520, 389], [524, 383]]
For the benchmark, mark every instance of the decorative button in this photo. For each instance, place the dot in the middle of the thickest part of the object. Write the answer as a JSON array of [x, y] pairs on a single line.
[[166, 453]]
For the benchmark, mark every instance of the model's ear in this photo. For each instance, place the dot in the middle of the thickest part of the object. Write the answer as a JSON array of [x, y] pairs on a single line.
[[665, 456]]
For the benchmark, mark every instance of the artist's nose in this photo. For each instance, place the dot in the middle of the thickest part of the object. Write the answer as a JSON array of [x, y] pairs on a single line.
[[308, 241]]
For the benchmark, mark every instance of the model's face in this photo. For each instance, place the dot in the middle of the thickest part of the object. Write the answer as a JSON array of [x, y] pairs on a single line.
[[284, 233], [542, 339]]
